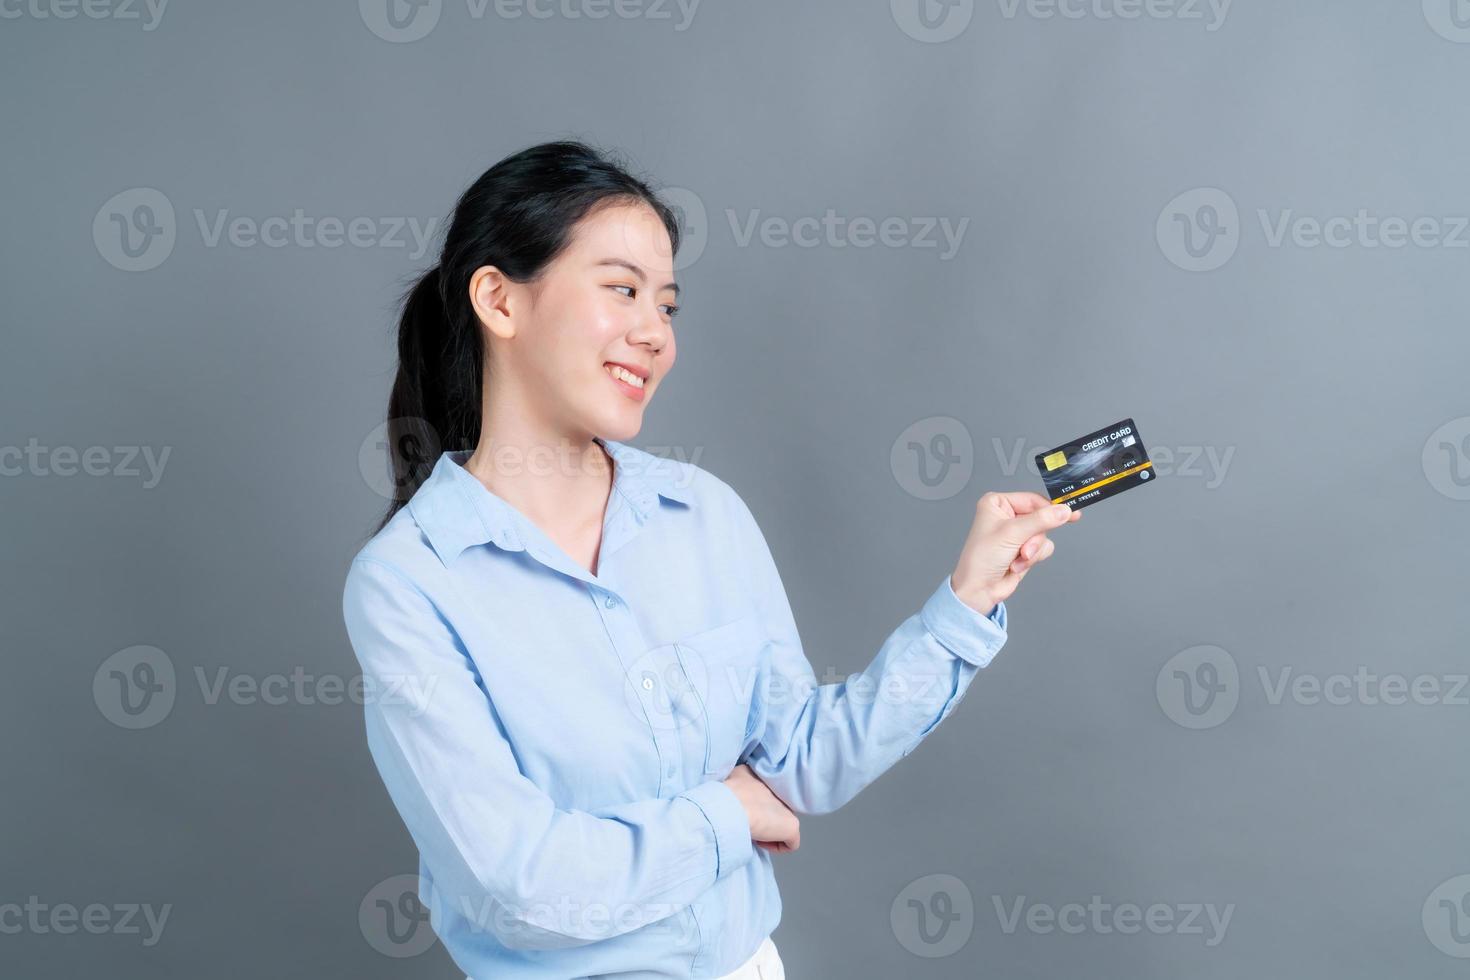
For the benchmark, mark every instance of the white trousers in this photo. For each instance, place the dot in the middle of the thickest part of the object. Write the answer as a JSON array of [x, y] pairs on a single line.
[[764, 964]]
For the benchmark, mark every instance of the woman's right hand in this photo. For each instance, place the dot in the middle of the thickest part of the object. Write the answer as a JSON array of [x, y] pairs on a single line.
[[772, 824]]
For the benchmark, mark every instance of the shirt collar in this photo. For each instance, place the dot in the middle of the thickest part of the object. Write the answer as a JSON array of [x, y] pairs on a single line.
[[456, 511]]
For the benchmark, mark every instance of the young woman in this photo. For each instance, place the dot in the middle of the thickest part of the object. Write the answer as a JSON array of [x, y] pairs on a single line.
[[590, 703]]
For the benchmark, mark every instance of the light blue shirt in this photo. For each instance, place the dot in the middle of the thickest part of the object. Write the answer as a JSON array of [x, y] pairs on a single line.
[[556, 741]]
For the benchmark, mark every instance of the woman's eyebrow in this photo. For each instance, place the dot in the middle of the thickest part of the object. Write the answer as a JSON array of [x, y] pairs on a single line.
[[638, 272]]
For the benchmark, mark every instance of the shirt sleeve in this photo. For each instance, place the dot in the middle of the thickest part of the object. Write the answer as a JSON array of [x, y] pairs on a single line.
[[818, 745], [493, 843]]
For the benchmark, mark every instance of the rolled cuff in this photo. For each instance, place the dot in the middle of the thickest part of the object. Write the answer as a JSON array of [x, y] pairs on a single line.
[[961, 629], [728, 823]]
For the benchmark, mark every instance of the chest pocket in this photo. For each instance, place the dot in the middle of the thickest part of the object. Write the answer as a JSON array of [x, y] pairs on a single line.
[[722, 665]]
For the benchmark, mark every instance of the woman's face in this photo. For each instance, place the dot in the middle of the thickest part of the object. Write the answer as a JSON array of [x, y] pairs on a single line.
[[601, 308]]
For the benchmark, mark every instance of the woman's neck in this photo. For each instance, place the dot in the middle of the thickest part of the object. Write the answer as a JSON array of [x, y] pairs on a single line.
[[560, 483]]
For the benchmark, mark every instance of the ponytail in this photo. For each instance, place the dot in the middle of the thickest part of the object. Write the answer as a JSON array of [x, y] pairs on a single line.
[[435, 402]]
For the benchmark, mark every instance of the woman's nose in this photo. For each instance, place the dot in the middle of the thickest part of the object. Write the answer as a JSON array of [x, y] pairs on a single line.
[[653, 332]]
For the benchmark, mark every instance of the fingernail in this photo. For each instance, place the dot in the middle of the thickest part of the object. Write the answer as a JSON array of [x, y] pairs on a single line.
[[1030, 550], [1061, 512]]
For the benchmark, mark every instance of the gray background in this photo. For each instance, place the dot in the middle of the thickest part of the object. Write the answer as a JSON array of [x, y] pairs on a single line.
[[1328, 545]]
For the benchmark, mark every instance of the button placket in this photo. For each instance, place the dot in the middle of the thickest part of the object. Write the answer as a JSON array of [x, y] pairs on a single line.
[[677, 694], [657, 687], [645, 684]]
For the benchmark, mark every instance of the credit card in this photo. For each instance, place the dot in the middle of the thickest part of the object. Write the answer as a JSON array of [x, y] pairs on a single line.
[[1096, 466]]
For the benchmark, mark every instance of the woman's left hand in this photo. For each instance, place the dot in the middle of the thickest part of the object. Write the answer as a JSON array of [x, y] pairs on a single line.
[[1007, 539]]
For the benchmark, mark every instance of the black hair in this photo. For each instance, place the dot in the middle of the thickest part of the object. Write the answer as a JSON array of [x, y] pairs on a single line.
[[518, 216]]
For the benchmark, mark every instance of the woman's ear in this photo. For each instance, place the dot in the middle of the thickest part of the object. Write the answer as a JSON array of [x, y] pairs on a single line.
[[491, 300]]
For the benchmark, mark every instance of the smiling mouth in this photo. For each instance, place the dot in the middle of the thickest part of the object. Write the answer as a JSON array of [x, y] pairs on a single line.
[[624, 375]]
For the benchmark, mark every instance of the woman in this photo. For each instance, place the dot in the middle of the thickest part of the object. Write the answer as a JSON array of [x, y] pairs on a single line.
[[596, 717]]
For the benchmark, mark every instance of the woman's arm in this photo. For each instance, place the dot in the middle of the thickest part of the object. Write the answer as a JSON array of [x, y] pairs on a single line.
[[817, 746], [497, 847]]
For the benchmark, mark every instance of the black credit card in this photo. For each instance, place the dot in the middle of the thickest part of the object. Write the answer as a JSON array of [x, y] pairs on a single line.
[[1096, 466]]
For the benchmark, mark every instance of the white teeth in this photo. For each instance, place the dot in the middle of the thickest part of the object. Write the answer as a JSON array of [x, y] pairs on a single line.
[[623, 374]]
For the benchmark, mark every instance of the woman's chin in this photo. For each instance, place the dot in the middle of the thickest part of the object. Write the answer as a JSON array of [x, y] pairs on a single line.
[[623, 425]]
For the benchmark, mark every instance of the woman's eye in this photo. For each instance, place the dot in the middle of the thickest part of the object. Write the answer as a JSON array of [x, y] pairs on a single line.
[[670, 310]]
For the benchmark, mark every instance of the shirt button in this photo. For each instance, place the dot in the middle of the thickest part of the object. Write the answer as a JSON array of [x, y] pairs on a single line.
[[648, 683], [610, 601]]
